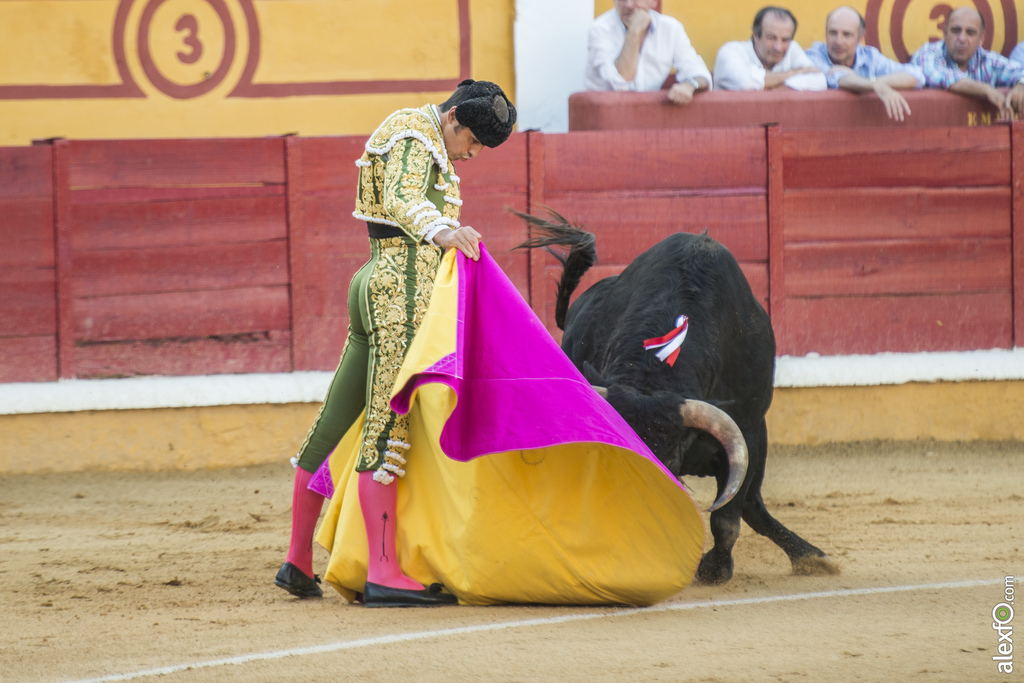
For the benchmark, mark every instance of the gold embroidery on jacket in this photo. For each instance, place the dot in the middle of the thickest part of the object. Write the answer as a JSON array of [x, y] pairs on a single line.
[[387, 293], [405, 184], [414, 147], [428, 259], [452, 210]]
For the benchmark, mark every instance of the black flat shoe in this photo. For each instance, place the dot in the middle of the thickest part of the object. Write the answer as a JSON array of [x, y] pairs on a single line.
[[376, 595], [293, 580]]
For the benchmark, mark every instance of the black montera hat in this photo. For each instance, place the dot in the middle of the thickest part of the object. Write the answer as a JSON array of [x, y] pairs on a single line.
[[483, 108]]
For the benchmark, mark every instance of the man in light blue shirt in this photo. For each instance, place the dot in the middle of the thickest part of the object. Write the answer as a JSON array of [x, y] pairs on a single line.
[[858, 68], [1018, 54]]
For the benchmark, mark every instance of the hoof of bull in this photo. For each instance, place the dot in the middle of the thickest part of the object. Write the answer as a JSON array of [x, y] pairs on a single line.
[[812, 565], [713, 571]]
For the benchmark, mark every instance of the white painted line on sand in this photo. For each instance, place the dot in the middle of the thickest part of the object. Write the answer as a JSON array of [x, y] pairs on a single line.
[[481, 628]]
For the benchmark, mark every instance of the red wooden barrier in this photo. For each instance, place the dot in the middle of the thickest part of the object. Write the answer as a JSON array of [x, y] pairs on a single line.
[[28, 333], [1017, 228], [877, 259], [776, 235], [327, 245], [832, 109], [210, 256], [178, 257]]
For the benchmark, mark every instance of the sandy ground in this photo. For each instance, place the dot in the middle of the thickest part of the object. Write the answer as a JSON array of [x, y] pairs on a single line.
[[107, 573]]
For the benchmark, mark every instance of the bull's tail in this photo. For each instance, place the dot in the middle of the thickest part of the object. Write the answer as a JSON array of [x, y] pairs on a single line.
[[557, 231]]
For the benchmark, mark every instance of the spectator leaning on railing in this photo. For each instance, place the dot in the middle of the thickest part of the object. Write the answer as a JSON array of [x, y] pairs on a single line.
[[959, 64], [633, 48], [858, 68], [1018, 54], [770, 59]]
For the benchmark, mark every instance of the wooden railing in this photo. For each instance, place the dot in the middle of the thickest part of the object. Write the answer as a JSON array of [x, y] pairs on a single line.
[[832, 109]]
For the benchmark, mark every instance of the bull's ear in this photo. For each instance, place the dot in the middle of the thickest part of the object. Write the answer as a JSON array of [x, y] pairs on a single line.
[[592, 375]]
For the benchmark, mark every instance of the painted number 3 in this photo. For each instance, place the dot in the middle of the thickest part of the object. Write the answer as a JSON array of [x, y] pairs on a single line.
[[940, 12], [190, 26]]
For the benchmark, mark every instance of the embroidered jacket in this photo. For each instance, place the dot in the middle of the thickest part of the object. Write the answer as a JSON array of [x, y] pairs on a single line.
[[405, 177]]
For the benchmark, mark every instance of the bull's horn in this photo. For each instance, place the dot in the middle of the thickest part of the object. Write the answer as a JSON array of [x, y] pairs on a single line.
[[603, 391], [718, 424]]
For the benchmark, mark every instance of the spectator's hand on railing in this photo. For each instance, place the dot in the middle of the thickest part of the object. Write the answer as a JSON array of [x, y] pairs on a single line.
[[803, 70], [681, 93], [1015, 100], [1002, 101], [840, 71], [776, 79], [997, 99], [896, 106]]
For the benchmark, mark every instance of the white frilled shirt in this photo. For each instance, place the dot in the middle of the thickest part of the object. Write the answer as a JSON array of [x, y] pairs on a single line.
[[738, 67], [666, 46]]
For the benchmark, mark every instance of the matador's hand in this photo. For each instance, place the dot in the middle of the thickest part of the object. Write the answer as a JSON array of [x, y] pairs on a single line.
[[465, 239]]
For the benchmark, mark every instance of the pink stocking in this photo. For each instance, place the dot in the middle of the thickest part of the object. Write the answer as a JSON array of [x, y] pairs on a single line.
[[378, 503], [306, 506]]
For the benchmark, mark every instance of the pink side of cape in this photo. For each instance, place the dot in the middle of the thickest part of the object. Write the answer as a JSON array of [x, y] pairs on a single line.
[[516, 388]]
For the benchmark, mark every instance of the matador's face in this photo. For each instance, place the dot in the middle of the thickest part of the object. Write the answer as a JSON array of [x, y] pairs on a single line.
[[459, 140]]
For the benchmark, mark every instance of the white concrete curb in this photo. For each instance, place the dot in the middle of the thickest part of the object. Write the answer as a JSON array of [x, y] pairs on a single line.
[[310, 387], [163, 392], [899, 368]]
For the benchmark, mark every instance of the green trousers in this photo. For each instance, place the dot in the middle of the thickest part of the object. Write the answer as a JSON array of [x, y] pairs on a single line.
[[387, 300]]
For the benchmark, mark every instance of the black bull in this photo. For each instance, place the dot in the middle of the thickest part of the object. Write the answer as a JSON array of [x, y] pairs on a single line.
[[727, 360]]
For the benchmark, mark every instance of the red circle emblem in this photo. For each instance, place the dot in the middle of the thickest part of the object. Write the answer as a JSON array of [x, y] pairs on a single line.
[[938, 12], [190, 51]]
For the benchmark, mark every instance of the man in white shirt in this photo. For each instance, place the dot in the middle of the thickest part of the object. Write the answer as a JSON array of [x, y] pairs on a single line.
[[633, 48], [770, 59]]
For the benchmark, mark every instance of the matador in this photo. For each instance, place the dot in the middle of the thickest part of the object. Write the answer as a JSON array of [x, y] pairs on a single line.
[[408, 195]]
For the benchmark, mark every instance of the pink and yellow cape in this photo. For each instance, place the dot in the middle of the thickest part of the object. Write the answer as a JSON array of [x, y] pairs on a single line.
[[522, 484]]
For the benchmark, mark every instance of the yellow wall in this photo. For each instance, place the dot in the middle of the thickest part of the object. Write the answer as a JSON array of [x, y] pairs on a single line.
[[134, 440], [75, 44], [944, 411], [232, 436]]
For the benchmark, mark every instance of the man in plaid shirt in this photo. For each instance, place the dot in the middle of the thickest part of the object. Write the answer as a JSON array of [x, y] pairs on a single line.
[[959, 64]]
